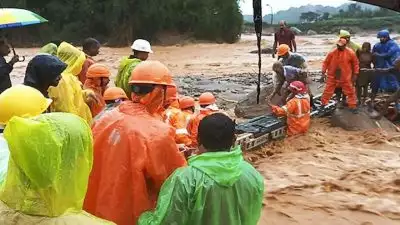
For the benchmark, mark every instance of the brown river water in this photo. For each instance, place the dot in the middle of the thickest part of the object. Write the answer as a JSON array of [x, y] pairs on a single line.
[[327, 177]]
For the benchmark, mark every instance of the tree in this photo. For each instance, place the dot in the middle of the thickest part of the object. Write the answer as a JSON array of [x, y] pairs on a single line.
[[309, 17], [325, 16]]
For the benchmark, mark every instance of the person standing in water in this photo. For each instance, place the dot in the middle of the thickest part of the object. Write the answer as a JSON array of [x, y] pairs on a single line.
[[141, 50], [284, 36]]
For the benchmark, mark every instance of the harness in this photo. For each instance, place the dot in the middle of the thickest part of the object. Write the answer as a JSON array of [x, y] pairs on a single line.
[[300, 113]]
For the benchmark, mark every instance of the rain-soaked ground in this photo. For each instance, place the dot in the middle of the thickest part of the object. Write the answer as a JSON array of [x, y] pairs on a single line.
[[327, 177]]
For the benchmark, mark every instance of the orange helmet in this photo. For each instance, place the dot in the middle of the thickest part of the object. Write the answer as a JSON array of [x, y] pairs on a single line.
[[207, 98], [114, 93], [151, 72], [98, 70], [186, 102], [283, 49]]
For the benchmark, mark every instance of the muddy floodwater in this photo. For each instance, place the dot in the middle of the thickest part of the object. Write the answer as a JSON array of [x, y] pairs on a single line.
[[327, 177]]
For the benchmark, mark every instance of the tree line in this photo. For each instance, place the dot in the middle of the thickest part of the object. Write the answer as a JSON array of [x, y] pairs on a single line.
[[119, 22], [352, 11]]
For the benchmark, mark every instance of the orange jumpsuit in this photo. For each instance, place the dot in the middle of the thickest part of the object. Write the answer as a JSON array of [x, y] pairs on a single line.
[[346, 62], [194, 123], [96, 106], [134, 153], [297, 110]]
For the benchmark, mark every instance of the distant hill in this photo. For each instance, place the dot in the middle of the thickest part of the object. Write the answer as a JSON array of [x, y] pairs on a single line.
[[292, 15]]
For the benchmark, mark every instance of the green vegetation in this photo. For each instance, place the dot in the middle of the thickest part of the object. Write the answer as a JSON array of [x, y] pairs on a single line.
[[119, 22]]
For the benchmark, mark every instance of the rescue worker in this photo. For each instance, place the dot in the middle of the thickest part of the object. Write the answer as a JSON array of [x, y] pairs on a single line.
[[68, 95], [44, 71], [113, 97], [284, 75], [187, 106], [91, 48], [297, 110], [48, 172], [171, 106], [350, 44], [208, 106], [218, 186], [6, 67], [141, 50], [291, 59], [386, 53], [22, 101], [134, 151], [97, 81], [343, 68]]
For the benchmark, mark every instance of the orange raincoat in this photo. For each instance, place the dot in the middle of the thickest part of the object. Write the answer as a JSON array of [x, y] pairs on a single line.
[[96, 105], [134, 153], [297, 110], [178, 120], [341, 67], [194, 123]]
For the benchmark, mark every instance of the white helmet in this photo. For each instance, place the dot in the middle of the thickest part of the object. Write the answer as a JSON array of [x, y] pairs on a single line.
[[142, 46]]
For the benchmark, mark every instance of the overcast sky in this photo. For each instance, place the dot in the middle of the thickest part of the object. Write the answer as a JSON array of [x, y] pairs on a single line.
[[247, 5]]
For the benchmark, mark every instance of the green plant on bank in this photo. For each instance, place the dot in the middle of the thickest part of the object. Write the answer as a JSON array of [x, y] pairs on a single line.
[[119, 22]]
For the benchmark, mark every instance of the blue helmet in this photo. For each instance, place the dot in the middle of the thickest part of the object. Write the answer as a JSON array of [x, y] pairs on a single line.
[[383, 34]]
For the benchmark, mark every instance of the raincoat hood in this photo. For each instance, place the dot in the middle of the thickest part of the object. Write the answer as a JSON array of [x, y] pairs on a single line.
[[153, 101], [48, 172], [50, 48], [72, 56], [124, 73], [222, 167], [41, 72], [383, 34], [344, 33]]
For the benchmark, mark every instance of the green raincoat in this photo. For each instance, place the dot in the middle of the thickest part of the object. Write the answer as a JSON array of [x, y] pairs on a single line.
[[51, 157], [217, 188], [49, 49], [124, 74]]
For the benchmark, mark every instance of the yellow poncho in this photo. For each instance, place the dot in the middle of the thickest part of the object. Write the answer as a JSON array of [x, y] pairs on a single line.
[[68, 95], [48, 171]]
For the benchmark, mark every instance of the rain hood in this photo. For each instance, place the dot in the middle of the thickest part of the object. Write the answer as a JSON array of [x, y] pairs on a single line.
[[124, 74]]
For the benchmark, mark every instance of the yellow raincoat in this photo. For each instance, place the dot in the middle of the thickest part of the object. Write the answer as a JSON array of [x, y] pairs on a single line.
[[49, 49], [48, 171], [68, 95], [124, 74]]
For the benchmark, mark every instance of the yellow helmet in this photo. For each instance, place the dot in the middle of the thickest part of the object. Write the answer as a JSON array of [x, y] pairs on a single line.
[[22, 101]]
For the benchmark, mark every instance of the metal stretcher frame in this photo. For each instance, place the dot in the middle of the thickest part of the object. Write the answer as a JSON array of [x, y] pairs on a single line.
[[260, 130]]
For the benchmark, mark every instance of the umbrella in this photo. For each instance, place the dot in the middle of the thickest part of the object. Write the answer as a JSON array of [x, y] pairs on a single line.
[[10, 17]]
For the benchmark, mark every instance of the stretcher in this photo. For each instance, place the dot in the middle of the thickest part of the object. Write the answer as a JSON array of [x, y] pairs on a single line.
[[258, 131]]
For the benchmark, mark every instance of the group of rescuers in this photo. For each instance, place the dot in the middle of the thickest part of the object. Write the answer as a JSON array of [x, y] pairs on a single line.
[[75, 152], [347, 69], [70, 145]]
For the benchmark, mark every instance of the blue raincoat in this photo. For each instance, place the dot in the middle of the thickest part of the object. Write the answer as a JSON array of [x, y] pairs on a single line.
[[386, 54]]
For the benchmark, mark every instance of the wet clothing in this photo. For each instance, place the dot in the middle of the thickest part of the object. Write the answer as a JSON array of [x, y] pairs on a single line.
[[48, 172], [42, 71], [5, 70], [194, 123], [106, 109], [96, 105], [50, 48], [285, 36], [124, 73], [297, 110], [88, 62], [178, 120], [295, 60], [217, 188], [134, 153], [68, 95], [385, 56], [340, 66]]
